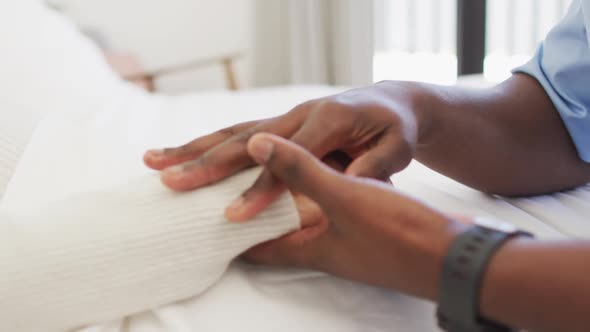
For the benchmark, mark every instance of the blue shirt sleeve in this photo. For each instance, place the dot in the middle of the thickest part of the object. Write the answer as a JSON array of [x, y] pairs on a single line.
[[562, 67]]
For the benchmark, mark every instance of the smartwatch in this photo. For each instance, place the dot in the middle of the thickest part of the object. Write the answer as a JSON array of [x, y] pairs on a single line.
[[463, 272]]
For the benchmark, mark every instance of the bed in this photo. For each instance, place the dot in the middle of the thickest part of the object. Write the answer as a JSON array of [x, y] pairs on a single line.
[[114, 120]]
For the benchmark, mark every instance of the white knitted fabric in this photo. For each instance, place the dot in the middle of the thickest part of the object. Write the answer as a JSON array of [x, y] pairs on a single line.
[[103, 254], [16, 127]]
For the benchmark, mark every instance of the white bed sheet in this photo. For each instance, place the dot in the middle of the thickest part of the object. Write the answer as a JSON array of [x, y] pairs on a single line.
[[252, 298], [49, 66]]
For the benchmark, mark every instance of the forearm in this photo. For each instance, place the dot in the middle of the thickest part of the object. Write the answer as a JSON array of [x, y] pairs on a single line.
[[508, 139], [539, 286], [535, 285]]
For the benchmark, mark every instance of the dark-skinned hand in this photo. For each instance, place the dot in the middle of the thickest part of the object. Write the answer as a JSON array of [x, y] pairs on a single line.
[[376, 130], [362, 229]]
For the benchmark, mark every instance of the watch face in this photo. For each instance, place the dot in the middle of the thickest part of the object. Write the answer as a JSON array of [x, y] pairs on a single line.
[[489, 222]]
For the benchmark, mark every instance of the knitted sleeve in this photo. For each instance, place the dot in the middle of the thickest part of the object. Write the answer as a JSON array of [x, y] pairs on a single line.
[[104, 255]]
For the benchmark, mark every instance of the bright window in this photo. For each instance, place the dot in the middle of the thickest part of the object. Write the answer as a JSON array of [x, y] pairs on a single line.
[[416, 39]]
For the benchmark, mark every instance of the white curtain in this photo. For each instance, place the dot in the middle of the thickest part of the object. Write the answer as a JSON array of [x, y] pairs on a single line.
[[313, 42]]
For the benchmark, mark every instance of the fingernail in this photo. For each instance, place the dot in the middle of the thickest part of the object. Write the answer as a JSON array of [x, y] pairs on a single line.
[[262, 150], [178, 169], [156, 152], [236, 206], [154, 155]]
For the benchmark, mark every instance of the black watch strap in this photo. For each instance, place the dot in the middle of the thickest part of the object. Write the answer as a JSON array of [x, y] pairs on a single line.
[[463, 270]]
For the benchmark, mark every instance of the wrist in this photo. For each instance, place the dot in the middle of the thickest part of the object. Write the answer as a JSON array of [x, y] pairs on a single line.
[[467, 265], [423, 101], [501, 271], [439, 248], [429, 243]]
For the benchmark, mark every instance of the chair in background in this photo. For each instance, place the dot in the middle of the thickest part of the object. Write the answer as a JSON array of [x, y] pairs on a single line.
[[130, 68]]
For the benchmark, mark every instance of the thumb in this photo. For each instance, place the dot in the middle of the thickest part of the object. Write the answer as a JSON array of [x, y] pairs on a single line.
[[297, 168]]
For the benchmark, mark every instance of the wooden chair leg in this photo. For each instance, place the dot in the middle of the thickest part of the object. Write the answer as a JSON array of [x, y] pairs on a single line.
[[230, 75], [151, 83]]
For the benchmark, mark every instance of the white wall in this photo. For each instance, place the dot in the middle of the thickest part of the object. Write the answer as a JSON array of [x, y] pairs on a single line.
[[166, 32]]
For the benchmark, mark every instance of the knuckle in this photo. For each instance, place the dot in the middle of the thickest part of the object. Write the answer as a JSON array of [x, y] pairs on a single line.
[[244, 136], [334, 118], [185, 148], [381, 168], [180, 150], [333, 108], [343, 107], [343, 102], [290, 166], [305, 107], [394, 120], [203, 161], [299, 112], [228, 131], [205, 165]]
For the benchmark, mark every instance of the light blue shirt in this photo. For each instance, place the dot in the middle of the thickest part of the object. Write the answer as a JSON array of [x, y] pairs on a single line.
[[562, 66]]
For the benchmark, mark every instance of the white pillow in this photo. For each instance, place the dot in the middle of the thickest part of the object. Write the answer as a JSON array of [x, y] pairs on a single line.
[[46, 63]]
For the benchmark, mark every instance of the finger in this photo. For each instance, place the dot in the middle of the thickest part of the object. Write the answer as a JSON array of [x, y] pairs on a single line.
[[319, 136], [164, 158], [302, 249], [224, 159], [312, 136], [298, 169], [389, 156], [260, 195]]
